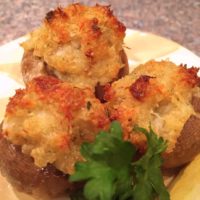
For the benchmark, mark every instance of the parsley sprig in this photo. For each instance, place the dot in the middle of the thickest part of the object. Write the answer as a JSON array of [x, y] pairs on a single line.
[[148, 177], [111, 174]]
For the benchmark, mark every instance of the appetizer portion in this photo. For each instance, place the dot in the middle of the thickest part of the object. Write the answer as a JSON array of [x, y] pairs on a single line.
[[165, 96], [79, 44], [43, 129]]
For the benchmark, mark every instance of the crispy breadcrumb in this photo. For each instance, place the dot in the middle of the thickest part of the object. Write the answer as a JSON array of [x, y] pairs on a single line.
[[50, 119], [80, 44], [159, 93]]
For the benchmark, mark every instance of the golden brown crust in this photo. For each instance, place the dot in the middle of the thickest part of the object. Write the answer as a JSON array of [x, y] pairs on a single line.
[[140, 88], [189, 75], [58, 18], [33, 67], [80, 44], [159, 93], [51, 119]]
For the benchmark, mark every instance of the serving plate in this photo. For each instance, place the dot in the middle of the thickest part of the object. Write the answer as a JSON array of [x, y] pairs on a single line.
[[139, 46]]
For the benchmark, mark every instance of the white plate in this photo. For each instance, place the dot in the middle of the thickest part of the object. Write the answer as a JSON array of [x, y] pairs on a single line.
[[141, 47]]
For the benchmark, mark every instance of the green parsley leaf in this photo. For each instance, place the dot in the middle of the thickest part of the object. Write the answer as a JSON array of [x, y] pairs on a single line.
[[149, 181], [108, 166], [110, 173]]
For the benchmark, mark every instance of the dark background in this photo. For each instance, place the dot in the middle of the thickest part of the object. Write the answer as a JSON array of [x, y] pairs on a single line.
[[178, 20]]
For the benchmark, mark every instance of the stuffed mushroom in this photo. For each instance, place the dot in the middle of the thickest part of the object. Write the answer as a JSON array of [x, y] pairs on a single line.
[[43, 129], [162, 95], [78, 44]]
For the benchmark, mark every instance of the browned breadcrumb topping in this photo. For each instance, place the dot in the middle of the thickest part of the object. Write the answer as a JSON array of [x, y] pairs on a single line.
[[80, 41], [50, 119], [58, 20], [108, 92], [155, 92], [190, 75], [139, 89]]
